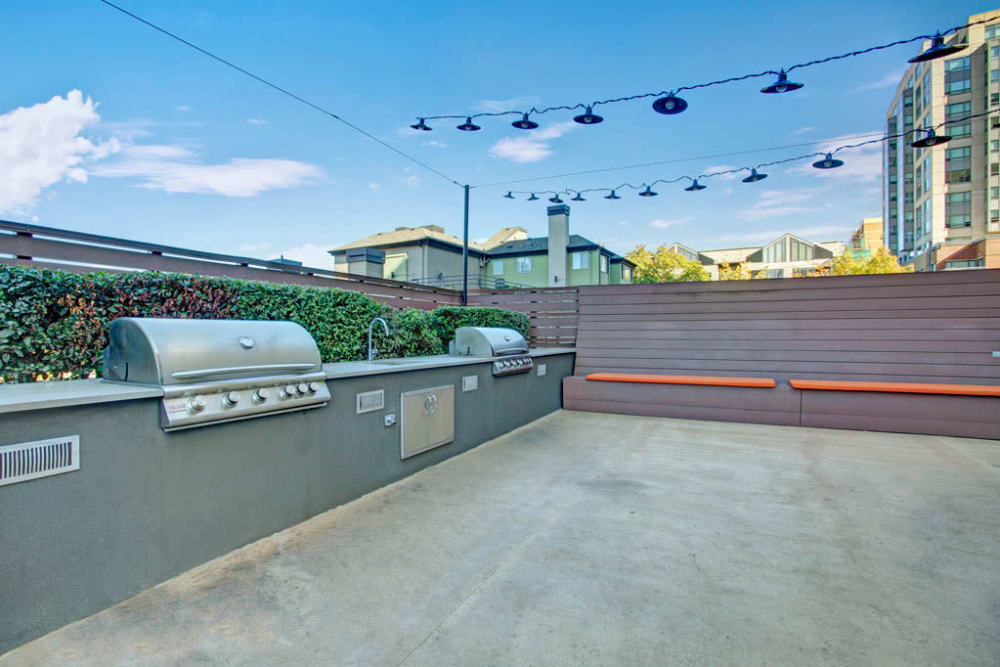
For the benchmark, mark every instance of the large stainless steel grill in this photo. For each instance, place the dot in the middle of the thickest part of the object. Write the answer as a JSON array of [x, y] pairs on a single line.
[[214, 371], [507, 346]]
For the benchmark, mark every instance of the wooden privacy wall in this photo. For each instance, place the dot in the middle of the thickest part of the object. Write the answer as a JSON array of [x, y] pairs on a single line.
[[936, 328], [553, 312], [47, 247], [923, 327]]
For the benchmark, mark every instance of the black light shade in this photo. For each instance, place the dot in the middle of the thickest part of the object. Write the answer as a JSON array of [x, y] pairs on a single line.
[[828, 162], [421, 125], [782, 85], [754, 177], [508, 195], [938, 49], [669, 105], [612, 196], [931, 139], [588, 118], [648, 192], [555, 199], [695, 186], [469, 126], [533, 197], [578, 197], [525, 124]]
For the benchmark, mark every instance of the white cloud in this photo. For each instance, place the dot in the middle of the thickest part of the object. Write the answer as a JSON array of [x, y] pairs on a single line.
[[412, 181], [41, 145], [817, 233], [312, 254], [718, 168], [862, 164], [434, 144], [777, 203], [256, 121], [173, 168], [623, 223], [511, 104], [374, 186], [261, 248], [533, 146], [183, 107], [727, 191], [890, 80], [664, 224], [801, 131]]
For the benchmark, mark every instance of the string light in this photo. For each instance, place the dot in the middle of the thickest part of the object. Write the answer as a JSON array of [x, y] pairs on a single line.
[[469, 126], [555, 199], [668, 102], [826, 161]]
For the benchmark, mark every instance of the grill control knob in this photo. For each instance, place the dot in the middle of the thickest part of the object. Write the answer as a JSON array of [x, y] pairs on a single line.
[[313, 387], [230, 398], [288, 391], [302, 389], [260, 396], [197, 404]]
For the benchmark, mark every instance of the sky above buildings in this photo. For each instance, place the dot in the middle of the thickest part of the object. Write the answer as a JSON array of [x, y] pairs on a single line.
[[111, 128]]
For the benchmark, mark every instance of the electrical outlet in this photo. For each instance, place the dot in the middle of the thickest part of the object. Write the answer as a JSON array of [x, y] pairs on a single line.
[[390, 419], [541, 369]]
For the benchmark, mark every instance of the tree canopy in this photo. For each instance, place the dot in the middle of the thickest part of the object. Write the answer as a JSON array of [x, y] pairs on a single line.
[[664, 266]]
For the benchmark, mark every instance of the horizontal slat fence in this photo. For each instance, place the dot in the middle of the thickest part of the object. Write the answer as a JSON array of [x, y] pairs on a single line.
[[33, 245], [553, 312], [936, 328]]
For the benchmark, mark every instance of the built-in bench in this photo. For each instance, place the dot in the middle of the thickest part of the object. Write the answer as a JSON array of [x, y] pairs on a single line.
[[908, 353]]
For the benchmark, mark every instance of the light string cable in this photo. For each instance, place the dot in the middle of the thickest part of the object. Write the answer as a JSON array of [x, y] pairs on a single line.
[[284, 91], [826, 161], [669, 103]]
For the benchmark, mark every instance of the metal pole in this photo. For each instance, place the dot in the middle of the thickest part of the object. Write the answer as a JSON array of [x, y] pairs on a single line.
[[465, 251]]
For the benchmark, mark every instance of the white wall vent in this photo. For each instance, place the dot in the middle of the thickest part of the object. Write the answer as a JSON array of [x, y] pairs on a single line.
[[370, 401], [41, 458]]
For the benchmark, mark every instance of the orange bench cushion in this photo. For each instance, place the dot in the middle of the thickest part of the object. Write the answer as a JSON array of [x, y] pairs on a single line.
[[898, 387], [709, 380]]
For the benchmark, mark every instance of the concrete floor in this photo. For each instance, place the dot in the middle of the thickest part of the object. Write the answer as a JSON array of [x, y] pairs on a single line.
[[591, 539]]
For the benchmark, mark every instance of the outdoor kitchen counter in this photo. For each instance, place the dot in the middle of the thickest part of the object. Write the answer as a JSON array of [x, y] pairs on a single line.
[[27, 396], [346, 369]]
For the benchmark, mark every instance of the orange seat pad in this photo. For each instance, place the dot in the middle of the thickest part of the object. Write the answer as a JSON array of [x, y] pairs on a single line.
[[898, 387], [710, 380]]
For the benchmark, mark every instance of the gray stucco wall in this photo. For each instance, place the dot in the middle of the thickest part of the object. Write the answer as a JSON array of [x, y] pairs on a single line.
[[147, 505]]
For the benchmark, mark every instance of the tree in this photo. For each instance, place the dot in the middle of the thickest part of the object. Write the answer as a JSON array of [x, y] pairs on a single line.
[[664, 266], [849, 264], [741, 271]]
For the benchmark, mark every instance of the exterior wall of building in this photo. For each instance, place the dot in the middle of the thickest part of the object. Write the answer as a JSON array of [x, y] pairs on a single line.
[[538, 276], [582, 276], [947, 195]]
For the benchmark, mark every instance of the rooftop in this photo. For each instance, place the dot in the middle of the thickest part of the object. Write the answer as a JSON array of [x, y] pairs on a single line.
[[587, 538]]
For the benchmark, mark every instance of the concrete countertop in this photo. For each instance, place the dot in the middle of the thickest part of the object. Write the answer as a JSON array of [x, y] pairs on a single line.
[[57, 394], [346, 369]]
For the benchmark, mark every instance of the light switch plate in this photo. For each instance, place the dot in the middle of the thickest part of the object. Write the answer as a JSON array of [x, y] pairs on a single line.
[[470, 382], [541, 370]]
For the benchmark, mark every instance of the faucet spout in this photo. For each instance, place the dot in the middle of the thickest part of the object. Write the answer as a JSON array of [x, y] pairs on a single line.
[[371, 350]]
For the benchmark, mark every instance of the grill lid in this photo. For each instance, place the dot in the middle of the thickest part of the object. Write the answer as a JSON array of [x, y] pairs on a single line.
[[489, 342], [180, 351]]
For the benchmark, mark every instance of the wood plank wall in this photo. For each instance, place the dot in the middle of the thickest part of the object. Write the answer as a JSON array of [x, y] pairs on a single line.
[[553, 312], [924, 327]]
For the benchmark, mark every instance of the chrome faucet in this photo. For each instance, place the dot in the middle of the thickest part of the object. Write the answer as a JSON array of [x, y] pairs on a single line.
[[371, 350]]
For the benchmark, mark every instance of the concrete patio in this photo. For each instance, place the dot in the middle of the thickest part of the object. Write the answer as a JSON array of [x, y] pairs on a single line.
[[599, 539]]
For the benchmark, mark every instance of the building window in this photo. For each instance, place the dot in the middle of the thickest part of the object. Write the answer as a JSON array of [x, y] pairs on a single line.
[[964, 152], [955, 87], [995, 52], [959, 130], [604, 263], [958, 209], [581, 260], [957, 64], [498, 267], [995, 146], [992, 31], [957, 175], [626, 274], [927, 216], [957, 110], [964, 263], [995, 75], [524, 265]]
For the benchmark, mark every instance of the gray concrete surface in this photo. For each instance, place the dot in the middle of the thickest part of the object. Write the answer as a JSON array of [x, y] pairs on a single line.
[[587, 539]]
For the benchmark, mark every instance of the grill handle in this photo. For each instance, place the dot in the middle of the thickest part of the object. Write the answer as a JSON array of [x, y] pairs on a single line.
[[233, 370]]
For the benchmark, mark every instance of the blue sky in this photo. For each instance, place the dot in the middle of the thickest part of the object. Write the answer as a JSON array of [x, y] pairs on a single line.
[[162, 144]]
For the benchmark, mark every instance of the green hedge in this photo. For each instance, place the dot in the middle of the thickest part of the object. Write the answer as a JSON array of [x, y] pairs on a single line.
[[54, 324]]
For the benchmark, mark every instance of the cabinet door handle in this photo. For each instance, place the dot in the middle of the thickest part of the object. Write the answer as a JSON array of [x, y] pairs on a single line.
[[430, 404]]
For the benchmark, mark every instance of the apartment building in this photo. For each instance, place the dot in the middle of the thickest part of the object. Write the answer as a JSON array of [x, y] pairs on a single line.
[[941, 205], [784, 257], [430, 256], [868, 237]]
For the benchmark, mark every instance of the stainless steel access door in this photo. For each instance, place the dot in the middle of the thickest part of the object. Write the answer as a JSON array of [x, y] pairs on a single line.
[[428, 419]]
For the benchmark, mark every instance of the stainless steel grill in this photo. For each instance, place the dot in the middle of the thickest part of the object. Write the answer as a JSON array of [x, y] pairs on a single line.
[[507, 346], [214, 371]]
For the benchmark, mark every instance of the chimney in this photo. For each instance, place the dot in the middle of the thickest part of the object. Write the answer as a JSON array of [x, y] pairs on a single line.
[[365, 261], [558, 240]]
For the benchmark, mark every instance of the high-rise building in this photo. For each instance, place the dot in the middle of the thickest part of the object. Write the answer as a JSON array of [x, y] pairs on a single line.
[[941, 205], [868, 237]]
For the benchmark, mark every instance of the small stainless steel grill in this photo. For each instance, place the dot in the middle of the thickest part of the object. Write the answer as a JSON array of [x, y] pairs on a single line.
[[507, 346], [214, 371]]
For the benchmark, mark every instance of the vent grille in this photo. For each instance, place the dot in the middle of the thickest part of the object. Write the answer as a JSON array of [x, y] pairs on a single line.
[[370, 401], [41, 458]]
